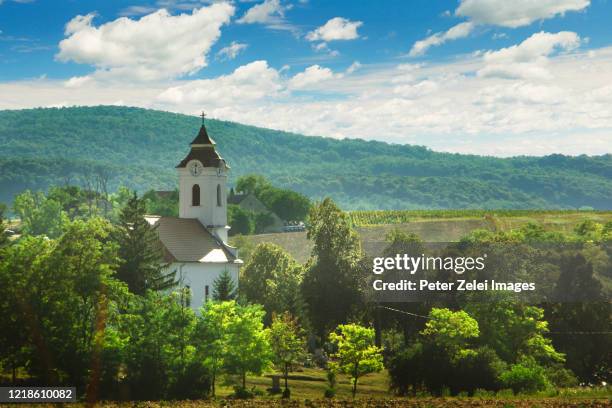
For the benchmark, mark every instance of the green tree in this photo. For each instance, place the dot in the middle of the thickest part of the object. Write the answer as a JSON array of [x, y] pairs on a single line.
[[240, 220], [247, 345], [224, 287], [39, 215], [165, 205], [3, 237], [62, 323], [287, 344], [332, 284], [590, 358], [212, 335], [451, 330], [252, 184], [272, 278], [356, 353], [513, 330], [142, 263]]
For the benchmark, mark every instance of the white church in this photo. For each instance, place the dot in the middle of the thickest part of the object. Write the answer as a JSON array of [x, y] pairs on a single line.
[[195, 243]]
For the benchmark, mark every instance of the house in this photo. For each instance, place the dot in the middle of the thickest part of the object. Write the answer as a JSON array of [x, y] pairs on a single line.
[[195, 243], [249, 202]]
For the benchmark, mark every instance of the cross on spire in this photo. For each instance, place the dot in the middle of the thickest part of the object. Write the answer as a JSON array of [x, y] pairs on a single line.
[[203, 116]]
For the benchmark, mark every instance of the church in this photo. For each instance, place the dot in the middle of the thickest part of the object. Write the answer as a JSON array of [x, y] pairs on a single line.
[[195, 243]]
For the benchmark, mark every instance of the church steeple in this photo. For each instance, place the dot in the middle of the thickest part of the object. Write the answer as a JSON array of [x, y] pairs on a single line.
[[202, 180], [203, 149], [202, 138]]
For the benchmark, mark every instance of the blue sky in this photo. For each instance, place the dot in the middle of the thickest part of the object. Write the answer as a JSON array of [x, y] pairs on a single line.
[[476, 76]]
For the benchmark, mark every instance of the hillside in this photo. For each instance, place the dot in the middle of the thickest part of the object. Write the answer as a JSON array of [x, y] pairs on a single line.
[[140, 148], [373, 237]]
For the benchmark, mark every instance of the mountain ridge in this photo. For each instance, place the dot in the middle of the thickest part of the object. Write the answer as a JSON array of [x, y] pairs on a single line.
[[140, 147]]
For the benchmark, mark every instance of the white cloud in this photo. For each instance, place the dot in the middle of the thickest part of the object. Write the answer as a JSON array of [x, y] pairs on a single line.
[[156, 46], [312, 75], [231, 51], [137, 10], [528, 59], [76, 82], [502, 13], [445, 105], [247, 83], [458, 31], [270, 12], [337, 28], [516, 13], [353, 67]]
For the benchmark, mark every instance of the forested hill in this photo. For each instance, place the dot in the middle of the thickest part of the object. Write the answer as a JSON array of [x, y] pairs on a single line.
[[140, 148]]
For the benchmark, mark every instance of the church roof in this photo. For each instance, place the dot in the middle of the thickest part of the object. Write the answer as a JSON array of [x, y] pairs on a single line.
[[202, 138], [187, 240], [203, 149]]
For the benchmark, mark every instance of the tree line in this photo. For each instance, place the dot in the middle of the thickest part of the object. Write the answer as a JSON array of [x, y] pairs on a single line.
[[84, 301]]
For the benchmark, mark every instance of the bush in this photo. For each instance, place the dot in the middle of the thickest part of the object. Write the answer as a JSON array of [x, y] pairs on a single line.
[[330, 393], [525, 378], [561, 377], [478, 369], [243, 393]]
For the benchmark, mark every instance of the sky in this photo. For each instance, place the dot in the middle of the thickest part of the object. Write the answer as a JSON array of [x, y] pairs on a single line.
[[490, 77]]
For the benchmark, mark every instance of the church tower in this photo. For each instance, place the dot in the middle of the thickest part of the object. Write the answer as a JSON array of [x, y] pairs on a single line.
[[202, 180]]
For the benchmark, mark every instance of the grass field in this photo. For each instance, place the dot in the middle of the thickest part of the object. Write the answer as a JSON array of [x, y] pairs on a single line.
[[438, 226], [307, 387]]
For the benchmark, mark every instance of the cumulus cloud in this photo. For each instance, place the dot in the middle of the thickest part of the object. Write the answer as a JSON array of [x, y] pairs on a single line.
[[337, 28], [446, 106], [156, 46], [247, 83], [231, 51], [498, 13], [312, 75], [516, 13], [353, 67], [458, 31], [270, 12], [528, 59]]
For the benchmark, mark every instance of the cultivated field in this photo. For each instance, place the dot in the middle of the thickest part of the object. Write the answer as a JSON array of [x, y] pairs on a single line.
[[435, 226]]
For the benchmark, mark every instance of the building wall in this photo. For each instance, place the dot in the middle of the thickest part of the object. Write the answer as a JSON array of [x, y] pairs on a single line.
[[208, 212], [200, 275]]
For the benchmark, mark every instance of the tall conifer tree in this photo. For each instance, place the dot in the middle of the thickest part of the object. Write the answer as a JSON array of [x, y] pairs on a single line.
[[142, 263]]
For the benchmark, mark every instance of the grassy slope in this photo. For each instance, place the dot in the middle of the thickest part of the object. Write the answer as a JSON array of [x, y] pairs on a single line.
[[433, 230], [43, 146]]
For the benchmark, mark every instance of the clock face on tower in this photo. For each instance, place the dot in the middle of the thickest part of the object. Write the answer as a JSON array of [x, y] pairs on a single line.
[[195, 168]]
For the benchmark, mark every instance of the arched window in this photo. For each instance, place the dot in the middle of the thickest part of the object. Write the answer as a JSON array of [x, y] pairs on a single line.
[[195, 195], [219, 195]]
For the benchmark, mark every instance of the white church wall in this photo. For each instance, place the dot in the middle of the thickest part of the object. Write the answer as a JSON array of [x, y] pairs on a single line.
[[208, 212], [198, 276]]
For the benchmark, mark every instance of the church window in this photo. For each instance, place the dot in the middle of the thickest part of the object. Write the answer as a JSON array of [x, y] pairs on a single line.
[[206, 293], [219, 195], [195, 195]]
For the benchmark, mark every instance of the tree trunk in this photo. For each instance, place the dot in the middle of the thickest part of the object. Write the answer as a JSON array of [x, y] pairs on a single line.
[[355, 374], [244, 380], [214, 375], [377, 326], [286, 375]]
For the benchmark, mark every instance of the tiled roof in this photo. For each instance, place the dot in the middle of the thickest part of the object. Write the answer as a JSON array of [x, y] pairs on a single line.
[[187, 240]]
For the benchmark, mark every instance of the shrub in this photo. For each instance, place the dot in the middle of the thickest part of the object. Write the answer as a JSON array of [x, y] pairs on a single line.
[[525, 378], [243, 393]]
